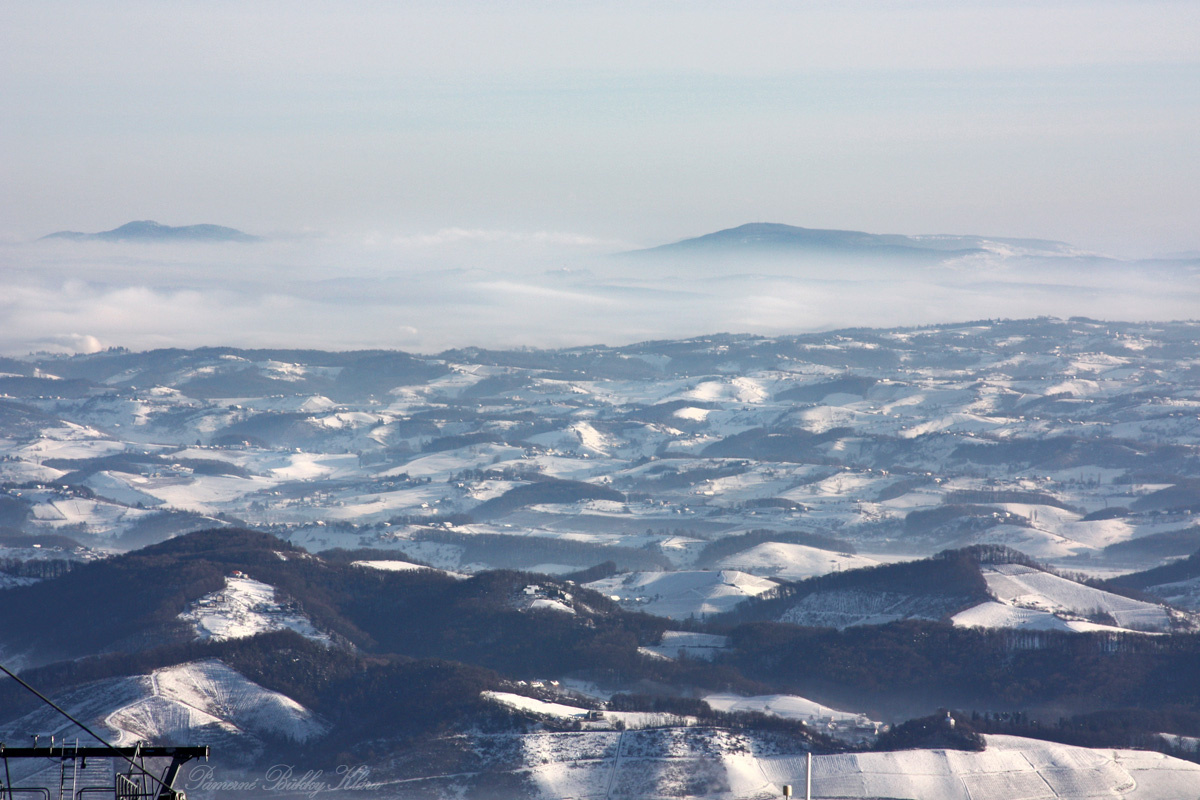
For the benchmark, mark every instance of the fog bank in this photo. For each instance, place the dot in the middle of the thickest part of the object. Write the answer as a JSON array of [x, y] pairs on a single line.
[[457, 288]]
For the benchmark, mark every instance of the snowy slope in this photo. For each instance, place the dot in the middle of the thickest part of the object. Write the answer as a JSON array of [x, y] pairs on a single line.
[[245, 607], [1032, 589], [788, 706], [1010, 768], [728, 765], [792, 562], [843, 608], [684, 644], [392, 565], [201, 702], [210, 692], [1184, 594], [602, 720], [993, 614], [680, 595], [849, 727]]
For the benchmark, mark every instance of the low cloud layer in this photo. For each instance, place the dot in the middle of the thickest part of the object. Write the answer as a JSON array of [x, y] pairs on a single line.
[[506, 289]]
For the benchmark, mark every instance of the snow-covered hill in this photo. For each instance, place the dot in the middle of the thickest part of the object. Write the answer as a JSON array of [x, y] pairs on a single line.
[[792, 562], [200, 702], [680, 595], [201, 694], [246, 607], [589, 719], [1026, 597], [843, 608], [844, 725], [392, 565], [1183, 594]]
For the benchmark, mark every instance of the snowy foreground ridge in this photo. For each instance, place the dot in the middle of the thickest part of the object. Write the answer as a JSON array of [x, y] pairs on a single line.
[[202, 694], [199, 702], [725, 766], [705, 762], [1009, 769]]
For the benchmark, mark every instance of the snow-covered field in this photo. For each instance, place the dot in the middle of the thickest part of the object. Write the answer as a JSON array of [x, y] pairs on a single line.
[[590, 720], [844, 608], [1010, 768], [403, 566], [789, 706], [685, 644], [725, 765], [680, 595], [793, 562], [993, 614], [844, 725], [1023, 590]]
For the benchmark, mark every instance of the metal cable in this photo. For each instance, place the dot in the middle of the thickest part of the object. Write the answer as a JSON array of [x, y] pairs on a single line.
[[86, 730]]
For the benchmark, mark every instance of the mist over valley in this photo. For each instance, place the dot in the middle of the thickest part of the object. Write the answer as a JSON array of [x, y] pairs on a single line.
[[461, 288]]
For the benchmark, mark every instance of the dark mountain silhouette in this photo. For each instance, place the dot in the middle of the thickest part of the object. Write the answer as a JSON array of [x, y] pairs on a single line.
[[151, 231], [769, 238]]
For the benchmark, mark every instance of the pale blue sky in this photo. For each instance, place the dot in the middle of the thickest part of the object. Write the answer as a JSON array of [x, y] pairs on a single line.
[[636, 123]]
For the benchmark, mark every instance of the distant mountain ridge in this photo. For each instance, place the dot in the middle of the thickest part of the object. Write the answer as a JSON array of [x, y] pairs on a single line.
[[778, 239], [151, 231]]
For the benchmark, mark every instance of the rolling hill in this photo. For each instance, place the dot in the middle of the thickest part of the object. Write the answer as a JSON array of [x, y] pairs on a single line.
[[1177, 583], [686, 476], [441, 682], [981, 586]]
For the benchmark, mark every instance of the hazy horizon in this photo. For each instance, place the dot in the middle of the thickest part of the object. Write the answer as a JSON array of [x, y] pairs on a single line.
[[491, 289], [433, 174], [647, 122]]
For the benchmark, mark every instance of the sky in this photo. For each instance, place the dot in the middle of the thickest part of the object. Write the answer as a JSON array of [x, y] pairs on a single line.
[[642, 121], [418, 137]]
